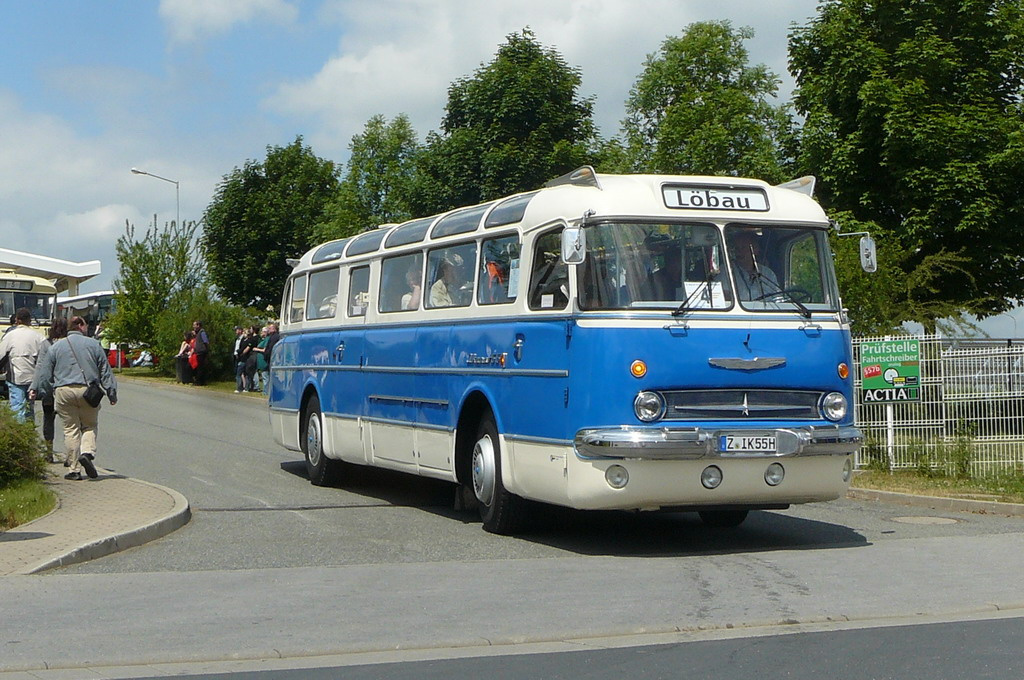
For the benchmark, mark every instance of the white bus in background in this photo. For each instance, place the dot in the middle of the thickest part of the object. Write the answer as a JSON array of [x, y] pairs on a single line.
[[93, 307]]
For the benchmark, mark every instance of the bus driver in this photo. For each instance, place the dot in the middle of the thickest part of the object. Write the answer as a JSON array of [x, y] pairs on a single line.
[[754, 278]]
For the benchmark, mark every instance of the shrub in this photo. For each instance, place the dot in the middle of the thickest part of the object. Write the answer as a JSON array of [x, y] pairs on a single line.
[[21, 449]]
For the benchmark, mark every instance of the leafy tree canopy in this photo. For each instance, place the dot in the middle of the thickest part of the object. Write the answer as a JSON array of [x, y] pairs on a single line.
[[915, 125], [699, 108], [376, 185], [514, 125], [262, 214], [153, 273]]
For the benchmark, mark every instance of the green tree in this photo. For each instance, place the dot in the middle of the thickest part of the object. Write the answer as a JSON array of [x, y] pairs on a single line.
[[515, 124], [915, 125], [153, 272], [376, 185], [699, 108], [219, 320], [262, 214]]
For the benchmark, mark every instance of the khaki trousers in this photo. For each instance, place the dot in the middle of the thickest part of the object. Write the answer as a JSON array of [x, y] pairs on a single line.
[[80, 423]]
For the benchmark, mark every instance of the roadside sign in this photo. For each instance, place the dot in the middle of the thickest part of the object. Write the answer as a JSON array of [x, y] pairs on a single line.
[[890, 370]]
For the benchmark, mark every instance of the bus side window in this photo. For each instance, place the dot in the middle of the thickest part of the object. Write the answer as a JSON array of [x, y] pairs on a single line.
[[499, 271], [298, 301], [359, 291], [401, 279], [323, 294], [450, 275], [549, 278]]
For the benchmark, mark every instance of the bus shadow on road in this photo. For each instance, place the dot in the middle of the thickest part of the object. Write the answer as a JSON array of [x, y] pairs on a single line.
[[603, 532]]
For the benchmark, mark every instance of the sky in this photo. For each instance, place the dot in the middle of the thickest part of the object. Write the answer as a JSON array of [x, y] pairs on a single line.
[[188, 90]]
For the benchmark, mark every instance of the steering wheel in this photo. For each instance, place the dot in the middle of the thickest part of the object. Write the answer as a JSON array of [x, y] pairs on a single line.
[[798, 294]]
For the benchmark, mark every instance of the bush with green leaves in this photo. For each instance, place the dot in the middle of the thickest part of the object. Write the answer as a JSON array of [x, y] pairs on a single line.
[[21, 450], [219, 320]]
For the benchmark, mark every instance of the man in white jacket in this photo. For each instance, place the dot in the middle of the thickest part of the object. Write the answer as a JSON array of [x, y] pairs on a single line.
[[22, 346]]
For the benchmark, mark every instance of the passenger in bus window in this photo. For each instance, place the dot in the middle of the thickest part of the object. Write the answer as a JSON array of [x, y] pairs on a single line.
[[754, 278], [411, 300], [443, 291]]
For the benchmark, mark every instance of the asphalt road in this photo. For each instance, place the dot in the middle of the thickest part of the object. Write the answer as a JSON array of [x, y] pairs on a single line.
[[971, 650], [272, 567]]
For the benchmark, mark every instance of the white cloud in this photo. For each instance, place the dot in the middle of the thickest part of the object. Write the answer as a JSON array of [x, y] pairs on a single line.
[[400, 57], [190, 20]]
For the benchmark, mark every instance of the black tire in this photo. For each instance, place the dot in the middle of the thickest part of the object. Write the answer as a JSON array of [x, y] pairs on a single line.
[[322, 470], [502, 512], [723, 519]]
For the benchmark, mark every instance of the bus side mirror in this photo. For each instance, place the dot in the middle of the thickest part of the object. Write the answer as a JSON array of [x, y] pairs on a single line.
[[574, 245], [868, 254]]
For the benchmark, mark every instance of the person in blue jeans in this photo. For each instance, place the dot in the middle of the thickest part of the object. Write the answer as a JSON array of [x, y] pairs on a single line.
[[22, 347]]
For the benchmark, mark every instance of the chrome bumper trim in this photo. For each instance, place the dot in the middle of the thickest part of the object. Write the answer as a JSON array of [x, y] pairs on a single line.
[[692, 443]]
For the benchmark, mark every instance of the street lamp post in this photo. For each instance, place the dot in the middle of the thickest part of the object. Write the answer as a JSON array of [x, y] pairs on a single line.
[[177, 196]]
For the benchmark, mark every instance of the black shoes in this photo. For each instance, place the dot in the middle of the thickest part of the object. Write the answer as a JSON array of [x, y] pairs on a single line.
[[86, 460], [74, 475]]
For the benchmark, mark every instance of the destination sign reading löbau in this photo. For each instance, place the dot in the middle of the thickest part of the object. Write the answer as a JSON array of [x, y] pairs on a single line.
[[703, 197]]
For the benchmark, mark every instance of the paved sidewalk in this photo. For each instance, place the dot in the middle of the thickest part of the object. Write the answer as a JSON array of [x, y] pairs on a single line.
[[94, 517]]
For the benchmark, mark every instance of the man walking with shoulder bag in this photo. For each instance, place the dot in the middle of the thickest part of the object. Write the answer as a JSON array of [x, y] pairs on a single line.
[[73, 370]]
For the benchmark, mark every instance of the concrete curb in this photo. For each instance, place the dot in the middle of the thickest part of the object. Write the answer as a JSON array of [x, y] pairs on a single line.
[[938, 502], [176, 518]]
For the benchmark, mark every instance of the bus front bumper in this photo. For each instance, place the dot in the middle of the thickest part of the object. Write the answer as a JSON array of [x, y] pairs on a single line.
[[693, 443]]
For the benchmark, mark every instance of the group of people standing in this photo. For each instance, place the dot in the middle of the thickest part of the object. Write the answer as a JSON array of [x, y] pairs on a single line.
[[252, 357], [57, 371]]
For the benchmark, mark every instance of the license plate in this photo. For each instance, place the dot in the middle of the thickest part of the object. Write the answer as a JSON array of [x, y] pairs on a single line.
[[729, 443]]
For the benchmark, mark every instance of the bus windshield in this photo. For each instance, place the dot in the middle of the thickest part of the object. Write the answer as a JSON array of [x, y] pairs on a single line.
[[40, 304], [684, 267]]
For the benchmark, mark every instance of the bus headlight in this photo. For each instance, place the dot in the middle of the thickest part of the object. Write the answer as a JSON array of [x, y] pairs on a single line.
[[649, 406], [833, 406]]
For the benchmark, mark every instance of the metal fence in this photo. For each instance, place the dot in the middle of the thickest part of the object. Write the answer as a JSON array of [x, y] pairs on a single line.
[[970, 417]]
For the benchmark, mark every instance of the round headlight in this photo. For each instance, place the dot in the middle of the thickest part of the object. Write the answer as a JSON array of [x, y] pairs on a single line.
[[711, 477], [649, 406], [616, 476], [833, 406], [774, 474]]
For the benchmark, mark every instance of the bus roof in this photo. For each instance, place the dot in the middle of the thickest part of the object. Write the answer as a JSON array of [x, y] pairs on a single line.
[[603, 196]]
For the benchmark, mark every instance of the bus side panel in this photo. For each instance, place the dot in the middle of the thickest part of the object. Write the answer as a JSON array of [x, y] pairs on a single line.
[[391, 396], [343, 392]]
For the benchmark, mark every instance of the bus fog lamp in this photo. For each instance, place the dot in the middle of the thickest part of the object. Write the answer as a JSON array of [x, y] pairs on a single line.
[[711, 477], [616, 476], [848, 469], [833, 406], [649, 406], [774, 475]]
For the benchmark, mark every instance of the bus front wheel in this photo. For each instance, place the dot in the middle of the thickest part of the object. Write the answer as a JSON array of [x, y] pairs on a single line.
[[321, 469], [502, 512]]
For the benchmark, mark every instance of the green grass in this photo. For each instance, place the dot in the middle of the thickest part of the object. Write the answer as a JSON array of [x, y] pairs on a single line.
[[23, 501], [1007, 488]]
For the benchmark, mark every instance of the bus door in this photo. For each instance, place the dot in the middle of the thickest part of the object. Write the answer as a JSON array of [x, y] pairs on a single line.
[[391, 355], [344, 386], [537, 401]]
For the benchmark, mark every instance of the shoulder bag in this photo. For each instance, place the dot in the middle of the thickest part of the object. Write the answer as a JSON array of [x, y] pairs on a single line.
[[93, 392]]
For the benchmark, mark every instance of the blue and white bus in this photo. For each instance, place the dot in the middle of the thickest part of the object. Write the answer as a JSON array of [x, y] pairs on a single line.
[[629, 342]]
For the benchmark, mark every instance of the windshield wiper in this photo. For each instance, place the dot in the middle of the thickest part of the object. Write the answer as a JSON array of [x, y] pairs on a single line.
[[784, 292]]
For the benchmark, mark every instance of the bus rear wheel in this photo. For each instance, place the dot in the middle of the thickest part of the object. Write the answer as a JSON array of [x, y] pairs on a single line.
[[723, 519], [322, 470], [501, 511]]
